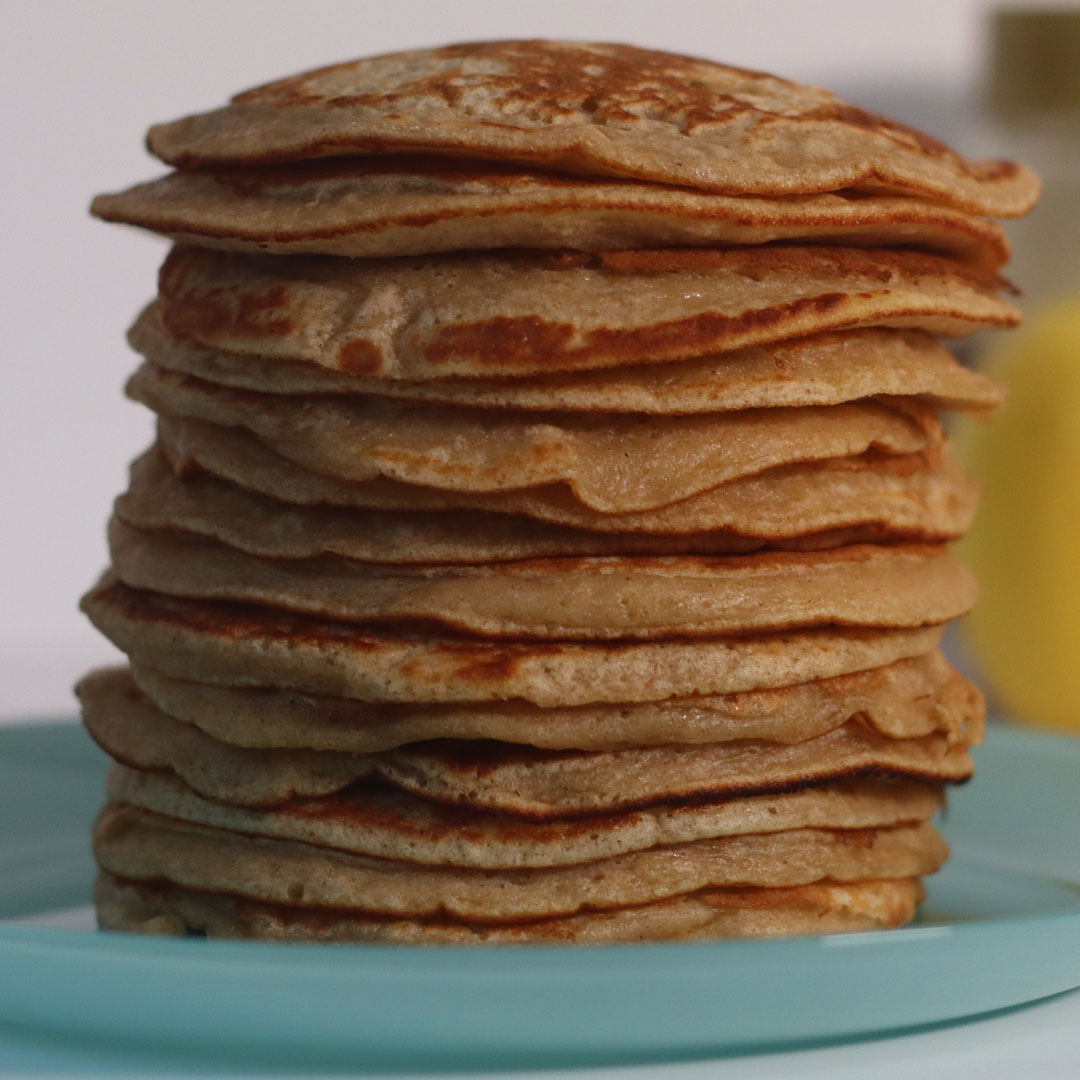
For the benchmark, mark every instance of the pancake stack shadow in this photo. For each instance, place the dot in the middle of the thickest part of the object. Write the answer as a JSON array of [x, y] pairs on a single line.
[[545, 536]]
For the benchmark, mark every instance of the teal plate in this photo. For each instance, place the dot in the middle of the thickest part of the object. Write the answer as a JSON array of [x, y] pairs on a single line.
[[1001, 928]]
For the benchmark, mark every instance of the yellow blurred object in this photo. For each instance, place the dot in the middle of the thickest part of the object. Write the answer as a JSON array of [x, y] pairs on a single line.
[[1025, 546]]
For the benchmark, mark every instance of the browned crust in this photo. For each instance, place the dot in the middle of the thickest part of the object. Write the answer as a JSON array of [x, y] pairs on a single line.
[[193, 306]]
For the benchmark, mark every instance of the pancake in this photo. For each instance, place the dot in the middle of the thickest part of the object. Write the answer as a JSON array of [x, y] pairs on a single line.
[[546, 784], [611, 462], [160, 908], [138, 844], [926, 495], [387, 823], [533, 783], [826, 369], [201, 505], [367, 207], [526, 313], [450, 448], [594, 109], [237, 646], [578, 599], [903, 700], [128, 728]]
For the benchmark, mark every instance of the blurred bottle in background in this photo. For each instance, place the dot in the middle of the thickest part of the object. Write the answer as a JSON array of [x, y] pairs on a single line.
[[1032, 99], [1025, 546]]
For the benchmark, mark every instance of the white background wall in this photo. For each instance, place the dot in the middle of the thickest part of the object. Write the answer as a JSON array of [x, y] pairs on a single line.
[[80, 82]]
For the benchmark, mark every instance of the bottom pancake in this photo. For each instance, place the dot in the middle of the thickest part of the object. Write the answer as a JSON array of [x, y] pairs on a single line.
[[162, 908]]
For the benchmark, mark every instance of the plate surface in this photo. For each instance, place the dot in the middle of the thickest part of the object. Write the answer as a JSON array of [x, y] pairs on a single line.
[[1001, 927]]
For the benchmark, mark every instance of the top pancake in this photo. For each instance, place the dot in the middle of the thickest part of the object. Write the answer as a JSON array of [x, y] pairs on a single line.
[[599, 110]]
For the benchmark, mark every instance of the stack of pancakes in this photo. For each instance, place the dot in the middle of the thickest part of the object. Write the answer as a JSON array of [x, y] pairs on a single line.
[[545, 537]]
